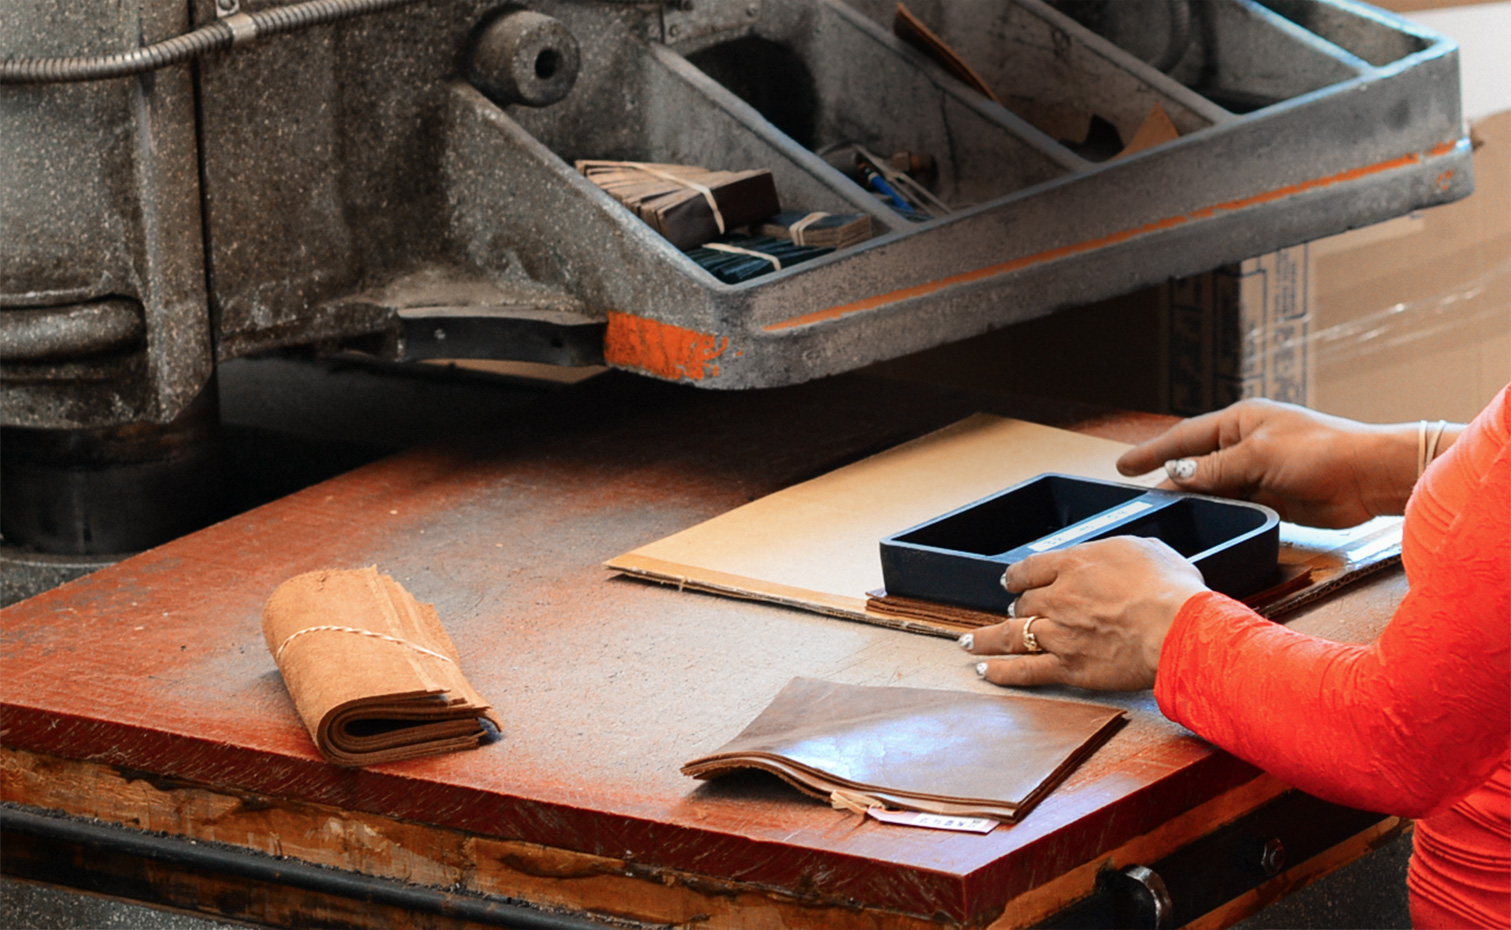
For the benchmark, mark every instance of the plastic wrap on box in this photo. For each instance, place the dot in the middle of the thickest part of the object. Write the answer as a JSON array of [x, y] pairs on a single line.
[[1404, 320]]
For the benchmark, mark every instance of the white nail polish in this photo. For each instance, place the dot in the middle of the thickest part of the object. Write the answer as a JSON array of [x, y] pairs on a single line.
[[1180, 469], [980, 669], [1003, 581], [967, 642]]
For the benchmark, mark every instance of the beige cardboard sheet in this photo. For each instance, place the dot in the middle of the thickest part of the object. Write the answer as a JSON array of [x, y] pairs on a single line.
[[815, 545]]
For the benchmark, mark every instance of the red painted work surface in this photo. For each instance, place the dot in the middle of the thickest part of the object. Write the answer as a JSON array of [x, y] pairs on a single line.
[[605, 685]]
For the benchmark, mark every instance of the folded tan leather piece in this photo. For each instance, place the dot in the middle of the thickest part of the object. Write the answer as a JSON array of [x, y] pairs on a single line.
[[371, 670], [942, 752]]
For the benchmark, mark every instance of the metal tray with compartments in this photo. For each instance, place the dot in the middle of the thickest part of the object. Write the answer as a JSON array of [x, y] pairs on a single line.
[[359, 185], [1297, 119]]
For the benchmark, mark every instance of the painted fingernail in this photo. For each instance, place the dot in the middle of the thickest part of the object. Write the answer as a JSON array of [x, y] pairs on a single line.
[[980, 669], [1004, 581], [1180, 469], [967, 642]]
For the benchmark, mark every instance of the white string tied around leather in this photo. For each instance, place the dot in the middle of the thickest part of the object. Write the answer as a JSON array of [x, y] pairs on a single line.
[[351, 629]]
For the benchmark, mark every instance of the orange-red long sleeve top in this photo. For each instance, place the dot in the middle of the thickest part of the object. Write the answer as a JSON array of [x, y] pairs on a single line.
[[1417, 723]]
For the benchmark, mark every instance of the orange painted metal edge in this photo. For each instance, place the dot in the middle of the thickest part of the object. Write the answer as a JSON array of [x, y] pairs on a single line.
[[661, 349], [1090, 245]]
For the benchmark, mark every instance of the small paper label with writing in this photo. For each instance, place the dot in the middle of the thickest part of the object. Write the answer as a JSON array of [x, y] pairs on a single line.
[[933, 821]]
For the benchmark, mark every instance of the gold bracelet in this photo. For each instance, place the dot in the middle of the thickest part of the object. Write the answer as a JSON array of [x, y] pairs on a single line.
[[1421, 447], [1432, 444], [1427, 443]]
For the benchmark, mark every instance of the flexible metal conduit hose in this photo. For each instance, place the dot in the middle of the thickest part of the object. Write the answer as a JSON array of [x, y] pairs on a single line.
[[1180, 36], [236, 29]]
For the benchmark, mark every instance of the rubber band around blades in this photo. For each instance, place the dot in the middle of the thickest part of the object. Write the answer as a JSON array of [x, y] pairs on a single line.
[[776, 264], [351, 629], [708, 194], [795, 231]]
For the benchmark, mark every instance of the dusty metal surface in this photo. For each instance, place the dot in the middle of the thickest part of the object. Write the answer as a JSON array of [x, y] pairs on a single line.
[[29, 906], [605, 685], [25, 574], [113, 489], [100, 200], [1049, 228], [71, 332], [275, 193]]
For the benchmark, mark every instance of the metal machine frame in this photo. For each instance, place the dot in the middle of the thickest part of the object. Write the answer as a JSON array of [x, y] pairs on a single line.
[[345, 186]]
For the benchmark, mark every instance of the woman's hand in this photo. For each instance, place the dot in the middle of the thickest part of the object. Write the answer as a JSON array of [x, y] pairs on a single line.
[[1099, 610], [1310, 467]]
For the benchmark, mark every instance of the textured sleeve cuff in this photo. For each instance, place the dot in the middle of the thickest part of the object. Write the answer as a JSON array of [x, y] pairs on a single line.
[[1197, 628]]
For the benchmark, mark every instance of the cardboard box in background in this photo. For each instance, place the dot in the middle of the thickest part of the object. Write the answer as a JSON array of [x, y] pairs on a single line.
[[1239, 331], [1405, 320]]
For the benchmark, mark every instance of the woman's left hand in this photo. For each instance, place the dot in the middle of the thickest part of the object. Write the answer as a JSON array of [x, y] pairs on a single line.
[[1099, 612]]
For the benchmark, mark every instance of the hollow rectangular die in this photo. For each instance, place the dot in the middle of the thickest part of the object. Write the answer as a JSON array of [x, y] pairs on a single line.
[[958, 558]]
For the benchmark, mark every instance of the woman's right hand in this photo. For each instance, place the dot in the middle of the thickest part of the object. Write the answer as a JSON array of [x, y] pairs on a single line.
[[1312, 468]]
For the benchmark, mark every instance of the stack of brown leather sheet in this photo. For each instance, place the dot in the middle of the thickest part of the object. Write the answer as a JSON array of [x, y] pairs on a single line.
[[818, 229], [688, 204], [941, 752]]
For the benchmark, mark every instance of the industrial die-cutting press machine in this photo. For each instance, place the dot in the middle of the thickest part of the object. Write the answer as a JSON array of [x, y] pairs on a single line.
[[185, 184]]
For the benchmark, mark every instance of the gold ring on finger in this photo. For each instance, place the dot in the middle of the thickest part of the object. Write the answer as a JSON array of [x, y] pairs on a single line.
[[1030, 641]]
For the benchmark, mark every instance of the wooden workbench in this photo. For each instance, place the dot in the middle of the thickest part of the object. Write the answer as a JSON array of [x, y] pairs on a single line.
[[143, 695]]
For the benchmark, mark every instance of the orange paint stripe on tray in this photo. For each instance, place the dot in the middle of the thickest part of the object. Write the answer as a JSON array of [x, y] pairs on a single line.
[[1089, 245], [661, 349]]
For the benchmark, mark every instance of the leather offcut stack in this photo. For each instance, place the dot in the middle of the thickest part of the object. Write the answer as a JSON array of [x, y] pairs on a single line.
[[909, 28], [735, 258], [371, 670], [911, 608], [818, 229], [941, 752], [688, 204]]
